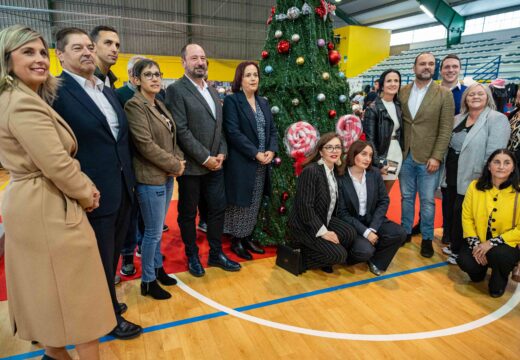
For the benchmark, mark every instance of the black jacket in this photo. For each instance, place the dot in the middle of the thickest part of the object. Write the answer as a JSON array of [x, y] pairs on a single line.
[[378, 127], [377, 201]]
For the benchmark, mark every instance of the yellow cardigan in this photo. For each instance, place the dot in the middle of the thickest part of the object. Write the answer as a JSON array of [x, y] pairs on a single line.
[[479, 204]]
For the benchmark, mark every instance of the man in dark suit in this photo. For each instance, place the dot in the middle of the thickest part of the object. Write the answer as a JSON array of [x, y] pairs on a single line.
[[99, 123], [197, 112]]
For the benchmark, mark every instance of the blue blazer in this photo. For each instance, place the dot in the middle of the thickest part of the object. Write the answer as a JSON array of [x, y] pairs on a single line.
[[107, 161], [242, 139]]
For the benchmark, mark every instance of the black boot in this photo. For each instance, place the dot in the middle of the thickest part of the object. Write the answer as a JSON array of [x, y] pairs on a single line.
[[237, 248], [250, 245], [47, 357], [163, 277], [154, 290]]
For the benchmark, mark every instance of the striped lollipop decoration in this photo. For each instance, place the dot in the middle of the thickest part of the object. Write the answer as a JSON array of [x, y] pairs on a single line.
[[349, 129], [300, 139]]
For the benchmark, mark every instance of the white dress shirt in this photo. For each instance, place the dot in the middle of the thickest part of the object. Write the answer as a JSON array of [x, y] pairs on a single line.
[[361, 192], [333, 191], [204, 91], [416, 98], [95, 92]]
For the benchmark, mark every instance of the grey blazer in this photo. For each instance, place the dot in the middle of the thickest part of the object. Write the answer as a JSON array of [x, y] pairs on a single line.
[[199, 133], [490, 132]]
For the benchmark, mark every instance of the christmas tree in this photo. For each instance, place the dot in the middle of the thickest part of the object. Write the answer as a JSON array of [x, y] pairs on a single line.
[[307, 92]]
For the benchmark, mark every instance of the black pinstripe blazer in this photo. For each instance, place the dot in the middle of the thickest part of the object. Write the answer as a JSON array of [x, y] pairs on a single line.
[[311, 204]]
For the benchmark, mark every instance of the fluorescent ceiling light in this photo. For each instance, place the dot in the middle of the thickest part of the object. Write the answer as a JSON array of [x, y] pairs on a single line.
[[426, 11]]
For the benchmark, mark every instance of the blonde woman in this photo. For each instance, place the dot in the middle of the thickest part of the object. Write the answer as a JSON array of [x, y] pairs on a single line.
[[47, 230]]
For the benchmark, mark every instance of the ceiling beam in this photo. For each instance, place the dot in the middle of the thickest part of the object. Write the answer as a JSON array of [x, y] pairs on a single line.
[[346, 17], [448, 17]]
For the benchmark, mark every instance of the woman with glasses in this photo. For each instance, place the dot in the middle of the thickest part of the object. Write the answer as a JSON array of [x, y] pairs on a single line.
[[477, 132], [382, 124], [313, 221], [252, 143], [156, 162], [364, 203]]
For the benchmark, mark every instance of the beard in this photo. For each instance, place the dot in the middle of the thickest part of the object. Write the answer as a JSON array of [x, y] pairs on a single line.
[[198, 72], [424, 75]]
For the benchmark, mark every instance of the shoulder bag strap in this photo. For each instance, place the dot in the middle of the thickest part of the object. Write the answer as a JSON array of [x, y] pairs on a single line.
[[514, 210]]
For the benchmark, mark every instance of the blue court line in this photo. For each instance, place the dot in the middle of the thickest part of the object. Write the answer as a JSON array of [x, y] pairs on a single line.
[[249, 307]]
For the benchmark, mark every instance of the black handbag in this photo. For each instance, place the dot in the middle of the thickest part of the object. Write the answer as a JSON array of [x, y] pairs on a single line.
[[289, 259]]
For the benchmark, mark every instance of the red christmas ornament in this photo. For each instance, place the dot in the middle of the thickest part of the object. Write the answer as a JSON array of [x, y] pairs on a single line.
[[277, 161], [320, 12], [282, 210], [265, 54], [285, 196], [273, 11], [332, 114], [283, 46], [334, 57], [330, 45]]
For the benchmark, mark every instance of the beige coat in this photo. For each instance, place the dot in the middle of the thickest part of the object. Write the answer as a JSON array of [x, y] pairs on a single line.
[[157, 155], [428, 134], [57, 290]]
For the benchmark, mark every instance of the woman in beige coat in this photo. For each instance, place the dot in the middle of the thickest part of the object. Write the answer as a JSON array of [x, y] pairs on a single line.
[[57, 292]]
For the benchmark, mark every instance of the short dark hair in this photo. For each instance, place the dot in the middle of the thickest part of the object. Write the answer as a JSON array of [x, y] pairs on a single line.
[[183, 50], [62, 36], [94, 34], [421, 54], [354, 150], [239, 75], [450, 56], [315, 153], [484, 182], [381, 80], [142, 64]]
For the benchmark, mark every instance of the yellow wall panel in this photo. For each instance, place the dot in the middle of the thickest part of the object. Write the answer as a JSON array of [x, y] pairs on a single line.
[[363, 47], [171, 66]]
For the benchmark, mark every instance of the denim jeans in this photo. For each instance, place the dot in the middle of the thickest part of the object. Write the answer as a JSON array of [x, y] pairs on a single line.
[[414, 179], [153, 204]]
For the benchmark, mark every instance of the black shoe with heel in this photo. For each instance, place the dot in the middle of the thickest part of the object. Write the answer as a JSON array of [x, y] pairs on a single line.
[[163, 277], [238, 249], [153, 289], [250, 245]]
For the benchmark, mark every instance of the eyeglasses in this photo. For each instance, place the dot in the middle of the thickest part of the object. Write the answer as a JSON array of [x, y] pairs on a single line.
[[331, 148], [149, 75]]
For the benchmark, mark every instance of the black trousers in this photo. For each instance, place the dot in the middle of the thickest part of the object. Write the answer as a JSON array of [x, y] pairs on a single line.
[[446, 211], [391, 236], [454, 217], [136, 224], [211, 187], [318, 252], [501, 259], [110, 233]]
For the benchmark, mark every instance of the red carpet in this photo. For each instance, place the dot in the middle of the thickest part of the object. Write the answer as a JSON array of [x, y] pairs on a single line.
[[173, 248]]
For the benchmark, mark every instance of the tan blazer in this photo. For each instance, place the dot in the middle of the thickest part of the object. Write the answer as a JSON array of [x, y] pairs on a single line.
[[56, 285], [157, 154], [428, 134]]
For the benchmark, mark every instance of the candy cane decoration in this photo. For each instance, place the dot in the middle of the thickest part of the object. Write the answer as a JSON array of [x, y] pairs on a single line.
[[349, 129], [300, 139]]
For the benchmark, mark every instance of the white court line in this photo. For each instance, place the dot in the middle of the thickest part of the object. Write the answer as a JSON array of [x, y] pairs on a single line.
[[506, 308]]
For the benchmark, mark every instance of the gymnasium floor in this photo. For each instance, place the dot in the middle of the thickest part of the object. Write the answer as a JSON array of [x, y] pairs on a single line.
[[420, 309]]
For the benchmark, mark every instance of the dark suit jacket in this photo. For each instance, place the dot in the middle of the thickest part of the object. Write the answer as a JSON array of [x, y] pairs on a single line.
[[312, 200], [102, 157], [199, 133], [242, 138], [429, 133], [377, 201]]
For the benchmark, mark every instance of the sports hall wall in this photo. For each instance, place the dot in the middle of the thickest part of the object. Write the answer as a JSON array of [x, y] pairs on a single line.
[[357, 57]]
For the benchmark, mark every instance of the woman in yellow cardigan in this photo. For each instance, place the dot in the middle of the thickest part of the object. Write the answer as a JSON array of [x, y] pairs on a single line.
[[491, 222]]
